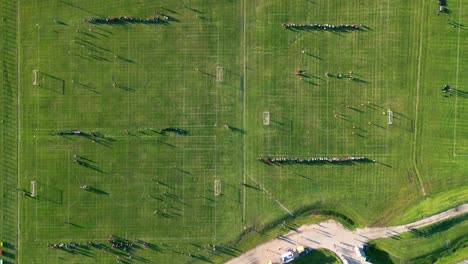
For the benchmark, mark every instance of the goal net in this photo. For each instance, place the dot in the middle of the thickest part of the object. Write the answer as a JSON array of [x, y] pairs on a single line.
[[35, 77], [33, 189], [390, 117], [217, 187], [219, 73], [266, 118]]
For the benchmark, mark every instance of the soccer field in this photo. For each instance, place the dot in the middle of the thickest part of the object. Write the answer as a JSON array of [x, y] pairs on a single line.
[[151, 132]]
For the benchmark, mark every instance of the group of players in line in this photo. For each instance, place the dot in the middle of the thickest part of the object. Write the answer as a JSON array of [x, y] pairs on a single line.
[[126, 19], [269, 160], [322, 26]]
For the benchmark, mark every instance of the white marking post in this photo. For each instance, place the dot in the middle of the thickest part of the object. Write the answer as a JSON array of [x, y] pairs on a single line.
[[217, 187], [219, 73], [35, 78], [390, 117], [33, 189], [266, 118]]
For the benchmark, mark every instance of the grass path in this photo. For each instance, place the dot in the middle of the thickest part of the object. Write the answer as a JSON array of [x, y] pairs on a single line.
[[416, 107]]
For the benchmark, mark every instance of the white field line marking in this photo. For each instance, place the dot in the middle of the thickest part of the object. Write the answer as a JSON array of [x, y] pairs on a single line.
[[183, 189], [148, 239], [243, 40], [68, 187], [215, 170], [207, 35], [217, 92], [47, 204], [387, 81], [183, 80], [456, 83], [327, 101], [201, 113], [127, 141], [271, 196], [37, 124], [204, 187]]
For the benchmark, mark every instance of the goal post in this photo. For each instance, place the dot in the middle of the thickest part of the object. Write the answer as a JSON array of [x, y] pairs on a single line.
[[219, 73], [33, 189], [35, 77], [217, 187], [390, 117], [266, 118]]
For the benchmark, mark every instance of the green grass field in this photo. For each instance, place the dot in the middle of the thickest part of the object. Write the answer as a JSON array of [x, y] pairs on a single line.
[[125, 82], [432, 244]]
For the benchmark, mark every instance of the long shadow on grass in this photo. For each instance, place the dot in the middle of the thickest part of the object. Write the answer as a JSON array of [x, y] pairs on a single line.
[[73, 224], [192, 9], [87, 87], [165, 143], [237, 130], [9, 255], [101, 34], [125, 59], [90, 166], [60, 22], [81, 56], [98, 138], [162, 183], [303, 176], [124, 88], [105, 30], [97, 191], [201, 258], [460, 93], [252, 187], [86, 42]]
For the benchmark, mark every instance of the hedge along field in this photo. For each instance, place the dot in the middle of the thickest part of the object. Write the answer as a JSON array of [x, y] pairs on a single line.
[[424, 245]]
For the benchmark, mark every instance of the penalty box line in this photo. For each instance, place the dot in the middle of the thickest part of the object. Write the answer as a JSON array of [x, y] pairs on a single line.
[[456, 86], [271, 196]]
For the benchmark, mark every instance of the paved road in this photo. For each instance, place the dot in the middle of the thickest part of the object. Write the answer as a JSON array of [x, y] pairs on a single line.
[[333, 236]]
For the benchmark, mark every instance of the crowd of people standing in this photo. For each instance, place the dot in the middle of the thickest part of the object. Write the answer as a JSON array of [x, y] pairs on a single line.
[[269, 160], [126, 19], [322, 26]]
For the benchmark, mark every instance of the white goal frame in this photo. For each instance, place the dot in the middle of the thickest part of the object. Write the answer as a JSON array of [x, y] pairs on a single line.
[[266, 118], [33, 189], [35, 77], [217, 187], [219, 73], [390, 117]]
